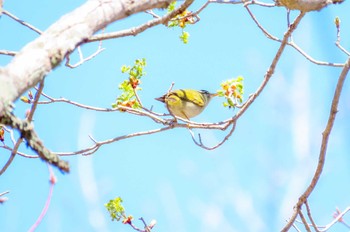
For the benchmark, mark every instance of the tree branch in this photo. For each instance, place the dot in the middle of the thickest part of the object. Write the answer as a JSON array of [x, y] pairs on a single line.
[[308, 210], [31, 27], [272, 67], [29, 118], [323, 150], [43, 54], [291, 43], [136, 30], [27, 132]]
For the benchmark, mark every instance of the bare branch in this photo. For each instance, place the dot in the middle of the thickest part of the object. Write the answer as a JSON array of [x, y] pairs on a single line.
[[310, 216], [97, 145], [336, 220], [3, 193], [11, 134], [308, 57], [272, 67], [200, 143], [136, 30], [45, 53], [152, 13], [144, 112], [3, 199], [337, 42], [296, 228], [29, 118], [27, 132], [291, 43], [8, 53], [20, 153], [266, 33], [31, 27], [81, 56], [307, 227], [323, 150]]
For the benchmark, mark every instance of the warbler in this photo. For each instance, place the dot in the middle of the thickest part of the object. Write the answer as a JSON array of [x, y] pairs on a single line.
[[186, 103]]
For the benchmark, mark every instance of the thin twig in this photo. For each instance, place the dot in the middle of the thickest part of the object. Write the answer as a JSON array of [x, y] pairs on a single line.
[[29, 118], [310, 216], [31, 27], [20, 153], [48, 201], [137, 97], [97, 145], [200, 143], [152, 13], [10, 131], [309, 58], [337, 42], [154, 116], [272, 67], [136, 30], [8, 53], [82, 60], [3, 193], [296, 228], [336, 220], [292, 44], [307, 227], [3, 199], [92, 149], [266, 33], [323, 149], [147, 112]]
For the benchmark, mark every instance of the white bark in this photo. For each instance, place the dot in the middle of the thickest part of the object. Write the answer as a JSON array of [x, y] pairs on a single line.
[[43, 54]]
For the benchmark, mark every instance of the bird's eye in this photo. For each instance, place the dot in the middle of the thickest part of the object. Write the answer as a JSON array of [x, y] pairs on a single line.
[[204, 91]]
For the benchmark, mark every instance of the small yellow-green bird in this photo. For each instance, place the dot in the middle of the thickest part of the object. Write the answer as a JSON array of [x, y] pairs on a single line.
[[186, 103]]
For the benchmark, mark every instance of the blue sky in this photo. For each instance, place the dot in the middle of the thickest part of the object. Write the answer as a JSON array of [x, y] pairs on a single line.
[[249, 184]]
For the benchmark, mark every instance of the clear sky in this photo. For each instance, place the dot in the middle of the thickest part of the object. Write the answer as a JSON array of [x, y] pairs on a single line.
[[248, 184]]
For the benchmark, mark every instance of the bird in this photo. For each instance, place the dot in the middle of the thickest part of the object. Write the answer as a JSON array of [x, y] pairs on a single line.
[[186, 103]]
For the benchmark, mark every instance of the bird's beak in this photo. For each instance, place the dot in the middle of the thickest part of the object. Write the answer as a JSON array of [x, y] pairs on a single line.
[[161, 99], [214, 94]]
